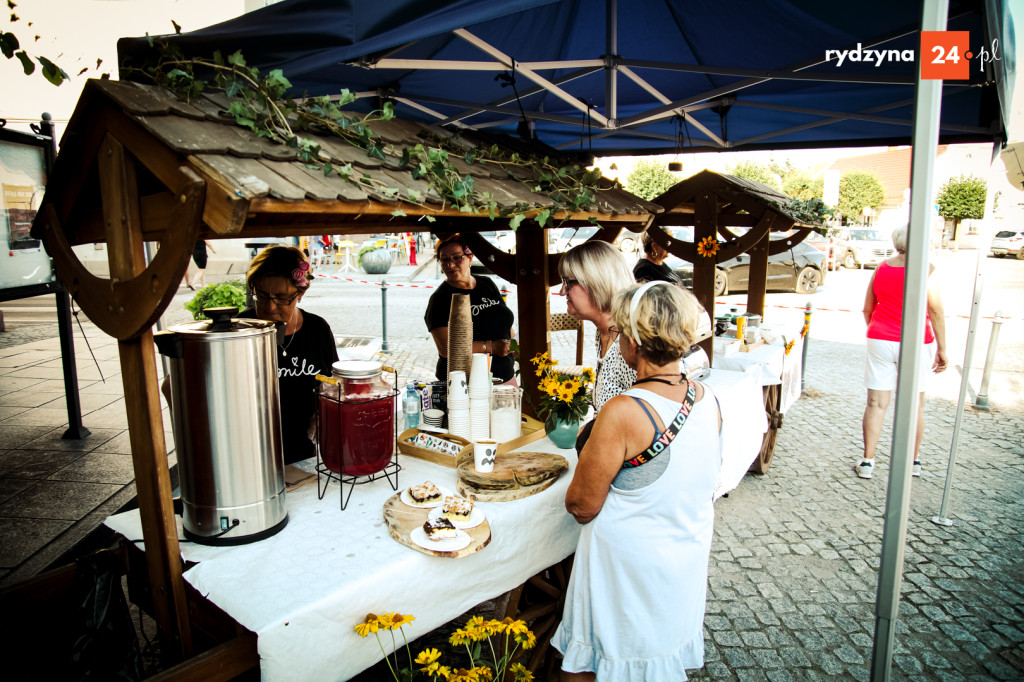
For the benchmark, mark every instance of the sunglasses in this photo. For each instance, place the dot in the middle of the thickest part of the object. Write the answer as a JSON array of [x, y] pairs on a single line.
[[264, 297], [569, 283]]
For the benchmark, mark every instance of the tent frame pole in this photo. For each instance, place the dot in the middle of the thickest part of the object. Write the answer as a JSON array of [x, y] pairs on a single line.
[[611, 56], [915, 296]]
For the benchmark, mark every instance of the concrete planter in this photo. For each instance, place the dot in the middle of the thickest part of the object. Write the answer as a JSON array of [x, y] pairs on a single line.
[[376, 262]]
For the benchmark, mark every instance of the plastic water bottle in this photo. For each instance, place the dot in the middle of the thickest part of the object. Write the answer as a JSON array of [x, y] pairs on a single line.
[[411, 406]]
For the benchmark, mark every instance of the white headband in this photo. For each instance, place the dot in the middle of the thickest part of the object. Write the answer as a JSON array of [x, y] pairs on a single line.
[[635, 302]]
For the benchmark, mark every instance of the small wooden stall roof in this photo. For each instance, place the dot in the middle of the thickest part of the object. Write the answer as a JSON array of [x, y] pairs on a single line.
[[714, 204], [137, 164]]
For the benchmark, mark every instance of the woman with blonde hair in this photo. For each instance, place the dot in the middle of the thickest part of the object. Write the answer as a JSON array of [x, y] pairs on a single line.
[[592, 273], [643, 490]]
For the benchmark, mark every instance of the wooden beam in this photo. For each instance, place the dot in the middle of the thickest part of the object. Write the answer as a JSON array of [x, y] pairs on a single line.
[[706, 212], [534, 317], [223, 662], [142, 402], [757, 281]]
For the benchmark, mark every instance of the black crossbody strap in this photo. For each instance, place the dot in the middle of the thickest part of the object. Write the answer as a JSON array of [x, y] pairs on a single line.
[[670, 432]]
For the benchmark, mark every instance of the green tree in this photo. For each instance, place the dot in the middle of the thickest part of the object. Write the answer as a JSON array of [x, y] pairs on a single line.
[[800, 185], [858, 190], [650, 179], [961, 198], [758, 172]]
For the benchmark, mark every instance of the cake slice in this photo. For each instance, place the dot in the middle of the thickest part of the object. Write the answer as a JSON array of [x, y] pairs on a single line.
[[425, 493], [439, 529], [457, 508]]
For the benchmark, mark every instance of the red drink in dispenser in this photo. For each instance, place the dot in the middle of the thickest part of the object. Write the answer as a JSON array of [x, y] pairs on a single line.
[[357, 420]]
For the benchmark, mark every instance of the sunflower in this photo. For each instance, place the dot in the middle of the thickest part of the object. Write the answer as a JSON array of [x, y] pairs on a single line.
[[460, 637], [527, 639], [708, 247], [398, 620], [369, 624], [520, 672], [565, 396], [588, 375], [463, 675]]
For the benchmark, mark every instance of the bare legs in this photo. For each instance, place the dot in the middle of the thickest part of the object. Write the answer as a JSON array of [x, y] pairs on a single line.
[[874, 417]]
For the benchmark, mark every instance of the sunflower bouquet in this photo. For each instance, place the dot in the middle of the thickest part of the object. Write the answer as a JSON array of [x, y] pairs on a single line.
[[565, 396], [503, 639]]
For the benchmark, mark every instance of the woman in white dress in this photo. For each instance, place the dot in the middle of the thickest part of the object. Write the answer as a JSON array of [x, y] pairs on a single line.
[[643, 490]]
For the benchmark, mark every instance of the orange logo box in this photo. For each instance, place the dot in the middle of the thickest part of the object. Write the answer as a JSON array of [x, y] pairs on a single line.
[[945, 55]]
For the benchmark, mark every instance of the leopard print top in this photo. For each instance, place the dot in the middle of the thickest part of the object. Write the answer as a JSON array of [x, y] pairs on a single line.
[[614, 376]]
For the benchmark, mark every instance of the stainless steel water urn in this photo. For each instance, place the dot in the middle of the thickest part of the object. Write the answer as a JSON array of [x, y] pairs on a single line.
[[227, 427]]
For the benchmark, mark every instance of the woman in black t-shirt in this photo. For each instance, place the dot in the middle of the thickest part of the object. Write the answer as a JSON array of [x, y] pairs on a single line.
[[651, 266], [492, 319], [278, 277]]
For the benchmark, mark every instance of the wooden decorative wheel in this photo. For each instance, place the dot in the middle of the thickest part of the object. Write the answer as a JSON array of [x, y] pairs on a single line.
[[772, 405], [539, 602]]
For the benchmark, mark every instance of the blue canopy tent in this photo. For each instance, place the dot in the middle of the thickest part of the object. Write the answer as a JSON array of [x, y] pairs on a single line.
[[649, 77]]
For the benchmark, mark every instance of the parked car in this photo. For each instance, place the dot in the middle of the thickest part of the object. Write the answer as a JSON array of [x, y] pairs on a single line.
[[1008, 243], [800, 269], [835, 242], [868, 246], [561, 240]]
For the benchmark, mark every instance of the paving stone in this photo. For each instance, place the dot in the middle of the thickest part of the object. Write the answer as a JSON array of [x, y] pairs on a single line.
[[727, 638], [755, 639], [737, 658]]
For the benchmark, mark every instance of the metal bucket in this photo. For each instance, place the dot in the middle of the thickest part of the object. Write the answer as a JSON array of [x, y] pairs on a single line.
[[225, 408]]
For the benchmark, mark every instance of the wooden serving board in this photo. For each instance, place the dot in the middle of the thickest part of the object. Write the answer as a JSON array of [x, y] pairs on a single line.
[[512, 470], [483, 495], [401, 519]]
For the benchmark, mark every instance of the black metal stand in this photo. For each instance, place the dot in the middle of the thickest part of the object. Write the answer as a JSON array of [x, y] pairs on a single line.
[[348, 482]]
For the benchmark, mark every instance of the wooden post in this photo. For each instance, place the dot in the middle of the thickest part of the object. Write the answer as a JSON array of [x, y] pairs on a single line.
[[705, 224], [534, 308], [122, 224], [757, 281]]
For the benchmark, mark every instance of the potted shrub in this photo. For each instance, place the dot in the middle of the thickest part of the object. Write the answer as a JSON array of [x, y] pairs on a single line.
[[374, 259], [230, 293]]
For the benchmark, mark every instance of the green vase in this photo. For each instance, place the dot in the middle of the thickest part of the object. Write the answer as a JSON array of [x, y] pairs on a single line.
[[562, 432]]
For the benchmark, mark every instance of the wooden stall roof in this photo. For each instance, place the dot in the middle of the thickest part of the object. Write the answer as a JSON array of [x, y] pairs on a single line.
[[255, 187]]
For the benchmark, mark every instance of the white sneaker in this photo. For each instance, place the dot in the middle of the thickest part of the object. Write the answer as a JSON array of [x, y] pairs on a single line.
[[865, 468], [917, 468]]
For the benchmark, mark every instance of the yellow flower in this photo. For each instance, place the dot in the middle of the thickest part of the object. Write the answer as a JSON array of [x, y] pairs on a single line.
[[427, 656], [483, 673], [549, 385], [540, 358], [708, 247], [568, 385], [520, 672], [385, 620], [431, 668], [588, 375], [445, 672], [527, 639], [474, 622], [463, 675], [398, 620], [493, 627], [516, 627], [459, 637], [369, 624], [565, 396]]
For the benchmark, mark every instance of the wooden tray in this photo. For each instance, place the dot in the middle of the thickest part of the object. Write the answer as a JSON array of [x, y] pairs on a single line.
[[401, 519], [747, 347], [515, 476], [442, 458]]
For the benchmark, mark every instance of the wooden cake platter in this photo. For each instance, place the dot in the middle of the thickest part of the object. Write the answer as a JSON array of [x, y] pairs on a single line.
[[402, 520], [516, 475]]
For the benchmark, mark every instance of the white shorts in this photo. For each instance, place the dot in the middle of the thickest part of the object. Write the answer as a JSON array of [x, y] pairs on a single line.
[[883, 364]]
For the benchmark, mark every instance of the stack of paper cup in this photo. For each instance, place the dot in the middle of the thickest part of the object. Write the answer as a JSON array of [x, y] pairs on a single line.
[[480, 397], [460, 334], [458, 405]]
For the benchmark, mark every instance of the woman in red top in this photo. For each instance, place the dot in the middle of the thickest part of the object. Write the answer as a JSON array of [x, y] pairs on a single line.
[[883, 312]]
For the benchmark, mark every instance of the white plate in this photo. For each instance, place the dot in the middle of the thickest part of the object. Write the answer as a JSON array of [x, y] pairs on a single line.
[[474, 520], [408, 500], [461, 539]]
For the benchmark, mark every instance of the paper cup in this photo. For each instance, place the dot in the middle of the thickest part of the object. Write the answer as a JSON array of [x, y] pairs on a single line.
[[484, 453], [480, 372]]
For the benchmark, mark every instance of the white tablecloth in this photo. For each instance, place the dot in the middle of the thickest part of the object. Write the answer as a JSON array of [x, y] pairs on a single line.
[[777, 366], [743, 421], [303, 590]]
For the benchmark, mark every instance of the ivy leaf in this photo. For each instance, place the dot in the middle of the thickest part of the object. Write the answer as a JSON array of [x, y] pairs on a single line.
[[8, 44], [388, 111], [415, 196], [236, 59], [346, 98], [218, 58], [277, 83], [430, 218], [26, 62], [543, 217], [177, 28], [398, 213], [52, 72], [517, 220]]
